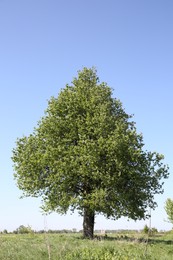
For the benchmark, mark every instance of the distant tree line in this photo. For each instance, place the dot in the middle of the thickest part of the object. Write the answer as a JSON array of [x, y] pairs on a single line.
[[28, 230]]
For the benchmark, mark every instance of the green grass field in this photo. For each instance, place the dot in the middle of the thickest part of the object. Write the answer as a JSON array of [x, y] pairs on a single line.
[[132, 246]]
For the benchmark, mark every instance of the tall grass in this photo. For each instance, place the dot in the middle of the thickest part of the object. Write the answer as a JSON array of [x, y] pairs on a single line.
[[73, 247]]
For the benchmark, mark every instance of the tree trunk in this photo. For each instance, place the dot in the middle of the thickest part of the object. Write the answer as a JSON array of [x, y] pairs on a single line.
[[88, 223]]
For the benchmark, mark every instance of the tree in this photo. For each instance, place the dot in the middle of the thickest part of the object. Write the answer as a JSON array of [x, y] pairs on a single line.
[[169, 209], [86, 155]]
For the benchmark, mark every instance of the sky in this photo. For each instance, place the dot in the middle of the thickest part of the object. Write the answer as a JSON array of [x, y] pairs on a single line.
[[42, 46]]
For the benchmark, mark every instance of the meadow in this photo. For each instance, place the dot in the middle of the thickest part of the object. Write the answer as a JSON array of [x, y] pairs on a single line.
[[125, 246]]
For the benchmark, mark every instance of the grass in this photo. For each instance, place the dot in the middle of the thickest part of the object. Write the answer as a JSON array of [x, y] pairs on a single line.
[[132, 246]]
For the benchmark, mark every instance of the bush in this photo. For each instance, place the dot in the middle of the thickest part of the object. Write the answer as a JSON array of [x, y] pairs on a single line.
[[153, 231], [148, 231], [23, 230]]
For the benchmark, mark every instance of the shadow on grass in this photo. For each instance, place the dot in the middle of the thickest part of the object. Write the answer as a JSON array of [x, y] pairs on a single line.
[[133, 239], [160, 241]]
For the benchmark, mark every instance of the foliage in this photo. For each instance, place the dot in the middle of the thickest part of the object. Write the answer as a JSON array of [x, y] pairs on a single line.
[[169, 209], [85, 154]]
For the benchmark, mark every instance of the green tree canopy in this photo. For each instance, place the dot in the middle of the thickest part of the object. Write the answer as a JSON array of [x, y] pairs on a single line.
[[169, 209], [86, 155]]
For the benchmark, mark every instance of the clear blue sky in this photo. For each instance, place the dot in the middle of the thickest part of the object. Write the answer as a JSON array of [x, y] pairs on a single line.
[[42, 46]]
